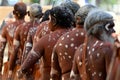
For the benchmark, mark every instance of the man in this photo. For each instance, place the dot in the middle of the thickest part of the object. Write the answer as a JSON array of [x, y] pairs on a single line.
[[65, 48], [92, 59], [7, 34], [60, 22], [21, 33]]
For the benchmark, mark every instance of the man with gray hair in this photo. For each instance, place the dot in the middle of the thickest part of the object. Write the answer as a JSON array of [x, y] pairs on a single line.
[[92, 59], [65, 48], [20, 36]]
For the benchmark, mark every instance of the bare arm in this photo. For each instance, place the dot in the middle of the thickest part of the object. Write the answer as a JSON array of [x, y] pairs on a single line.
[[2, 46], [55, 68]]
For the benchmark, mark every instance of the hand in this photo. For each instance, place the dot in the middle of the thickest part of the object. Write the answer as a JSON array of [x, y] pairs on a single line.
[[117, 42], [117, 39], [19, 74]]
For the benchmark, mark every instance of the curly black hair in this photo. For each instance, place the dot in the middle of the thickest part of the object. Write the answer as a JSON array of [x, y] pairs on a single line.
[[63, 16]]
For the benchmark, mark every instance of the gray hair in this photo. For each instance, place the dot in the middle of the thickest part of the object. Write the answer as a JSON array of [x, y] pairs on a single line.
[[96, 19], [83, 12], [73, 6], [35, 10]]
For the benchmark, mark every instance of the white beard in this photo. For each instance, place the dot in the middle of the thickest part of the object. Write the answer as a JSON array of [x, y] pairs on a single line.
[[107, 38]]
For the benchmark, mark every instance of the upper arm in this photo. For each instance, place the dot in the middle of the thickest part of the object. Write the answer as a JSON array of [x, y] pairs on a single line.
[[74, 71], [55, 68], [109, 51]]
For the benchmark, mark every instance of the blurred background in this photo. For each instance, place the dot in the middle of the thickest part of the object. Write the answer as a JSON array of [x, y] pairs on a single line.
[[113, 6]]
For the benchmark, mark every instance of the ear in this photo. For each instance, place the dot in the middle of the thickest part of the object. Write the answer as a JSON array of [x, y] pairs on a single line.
[[54, 21]]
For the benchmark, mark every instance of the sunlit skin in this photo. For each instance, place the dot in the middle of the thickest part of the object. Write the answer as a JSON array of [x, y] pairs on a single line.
[[92, 58], [20, 37], [115, 63], [63, 53], [44, 46], [8, 34]]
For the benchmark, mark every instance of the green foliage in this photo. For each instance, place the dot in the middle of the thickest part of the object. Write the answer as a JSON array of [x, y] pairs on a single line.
[[34, 1]]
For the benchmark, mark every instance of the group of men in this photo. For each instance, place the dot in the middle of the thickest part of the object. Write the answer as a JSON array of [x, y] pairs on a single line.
[[67, 42]]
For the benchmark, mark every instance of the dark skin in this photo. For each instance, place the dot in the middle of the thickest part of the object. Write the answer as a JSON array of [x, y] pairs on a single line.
[[18, 43], [7, 37], [32, 38], [42, 48], [98, 53], [115, 63], [64, 51], [42, 30]]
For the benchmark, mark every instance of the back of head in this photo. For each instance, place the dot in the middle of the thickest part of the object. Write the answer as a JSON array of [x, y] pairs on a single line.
[[20, 10], [82, 13], [45, 15], [62, 16], [98, 18], [73, 6], [35, 11]]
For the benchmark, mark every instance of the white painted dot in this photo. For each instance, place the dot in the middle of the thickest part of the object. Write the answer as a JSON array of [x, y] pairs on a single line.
[[66, 53], [101, 44], [93, 74], [100, 74], [88, 47], [76, 34], [66, 46], [89, 69], [89, 52], [72, 39], [98, 54], [80, 63], [76, 47], [82, 33], [69, 57], [93, 49], [72, 44], [60, 44], [60, 54], [68, 36], [95, 43], [62, 38]]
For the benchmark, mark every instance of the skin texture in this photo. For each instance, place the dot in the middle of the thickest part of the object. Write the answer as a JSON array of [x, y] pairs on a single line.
[[44, 46], [32, 38], [97, 48], [63, 53], [18, 43], [42, 30], [23, 32], [7, 34], [97, 55], [114, 72], [66, 46]]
